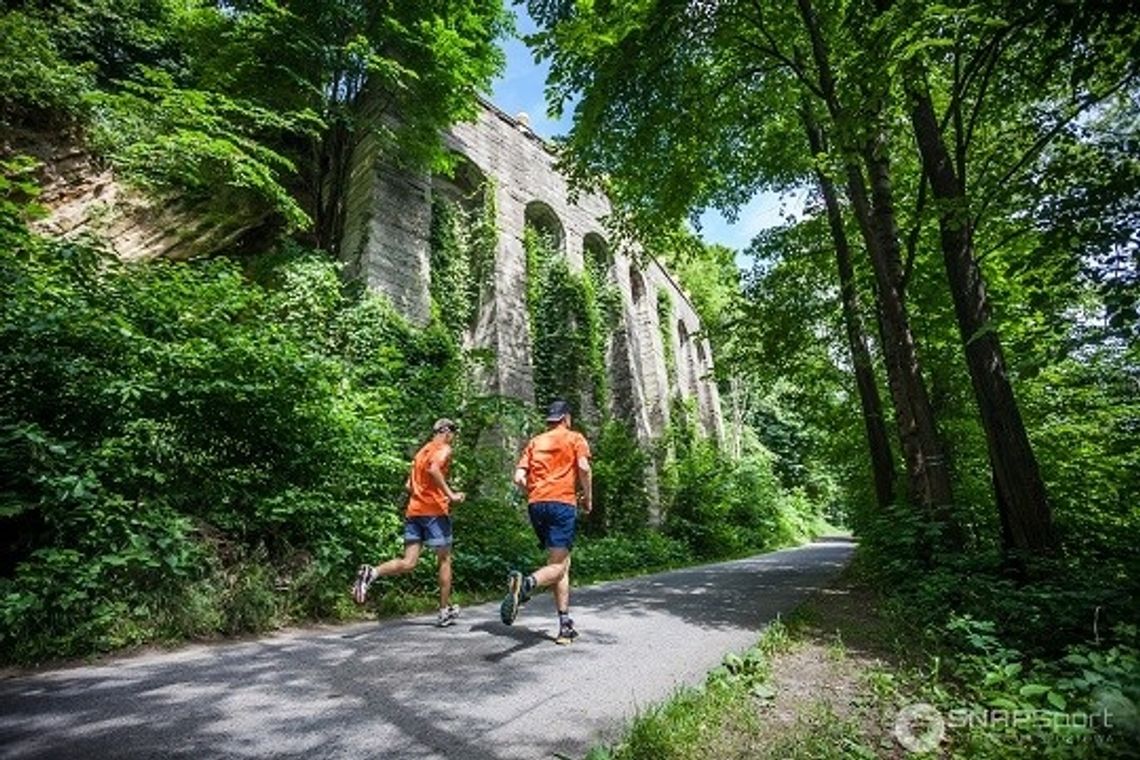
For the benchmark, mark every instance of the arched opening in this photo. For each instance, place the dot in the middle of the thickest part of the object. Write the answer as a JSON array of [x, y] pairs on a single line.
[[541, 218], [686, 360], [465, 185], [636, 285], [462, 240], [597, 256]]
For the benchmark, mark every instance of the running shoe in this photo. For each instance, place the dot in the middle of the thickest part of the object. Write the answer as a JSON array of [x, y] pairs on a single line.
[[566, 633], [509, 609], [447, 616], [364, 578]]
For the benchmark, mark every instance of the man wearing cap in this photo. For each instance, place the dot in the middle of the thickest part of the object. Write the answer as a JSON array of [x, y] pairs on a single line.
[[553, 467], [426, 521]]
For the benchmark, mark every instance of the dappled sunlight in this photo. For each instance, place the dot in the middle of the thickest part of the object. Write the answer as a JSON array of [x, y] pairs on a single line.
[[404, 688]]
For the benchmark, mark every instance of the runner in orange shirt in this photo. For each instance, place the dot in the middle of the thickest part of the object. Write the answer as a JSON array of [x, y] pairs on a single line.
[[426, 521], [552, 468]]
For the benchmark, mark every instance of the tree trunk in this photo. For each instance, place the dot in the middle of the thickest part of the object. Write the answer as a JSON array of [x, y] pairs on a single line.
[[882, 464], [933, 470], [926, 472], [334, 158], [1020, 491]]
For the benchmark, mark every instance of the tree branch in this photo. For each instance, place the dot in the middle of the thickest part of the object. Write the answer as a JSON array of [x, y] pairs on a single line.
[[773, 49], [912, 235], [1042, 141]]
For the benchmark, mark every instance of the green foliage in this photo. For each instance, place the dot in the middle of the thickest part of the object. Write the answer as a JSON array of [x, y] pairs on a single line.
[[462, 259], [1084, 702], [565, 329], [622, 554], [172, 426], [198, 142], [450, 273], [35, 78], [621, 499], [493, 537], [18, 191], [665, 324], [111, 38], [261, 99], [725, 507]]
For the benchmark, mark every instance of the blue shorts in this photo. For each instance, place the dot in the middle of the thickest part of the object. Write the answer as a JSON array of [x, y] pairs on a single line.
[[553, 523], [435, 531]]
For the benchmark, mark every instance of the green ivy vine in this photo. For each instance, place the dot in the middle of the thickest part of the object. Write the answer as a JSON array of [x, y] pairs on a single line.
[[665, 323], [462, 260], [567, 321]]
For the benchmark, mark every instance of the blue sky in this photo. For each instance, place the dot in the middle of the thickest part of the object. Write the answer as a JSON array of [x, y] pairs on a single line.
[[520, 90]]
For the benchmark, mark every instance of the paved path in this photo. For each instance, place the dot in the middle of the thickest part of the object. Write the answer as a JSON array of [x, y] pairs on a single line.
[[479, 689]]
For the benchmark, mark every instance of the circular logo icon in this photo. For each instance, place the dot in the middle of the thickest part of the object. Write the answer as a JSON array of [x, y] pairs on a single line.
[[919, 727]]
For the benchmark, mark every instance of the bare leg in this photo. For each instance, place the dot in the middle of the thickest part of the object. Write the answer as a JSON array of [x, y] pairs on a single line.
[[444, 557], [556, 573], [401, 565], [562, 590]]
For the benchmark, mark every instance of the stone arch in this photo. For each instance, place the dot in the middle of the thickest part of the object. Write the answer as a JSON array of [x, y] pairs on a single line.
[[636, 285], [542, 218], [596, 254], [466, 185]]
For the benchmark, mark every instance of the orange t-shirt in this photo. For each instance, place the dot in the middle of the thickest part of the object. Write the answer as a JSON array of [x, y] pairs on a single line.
[[551, 464], [427, 499]]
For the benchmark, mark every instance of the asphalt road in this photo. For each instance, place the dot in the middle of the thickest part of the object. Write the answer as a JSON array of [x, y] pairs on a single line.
[[405, 689]]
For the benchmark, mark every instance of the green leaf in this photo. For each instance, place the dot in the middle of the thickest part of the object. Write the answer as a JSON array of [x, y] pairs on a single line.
[[763, 691], [1004, 703]]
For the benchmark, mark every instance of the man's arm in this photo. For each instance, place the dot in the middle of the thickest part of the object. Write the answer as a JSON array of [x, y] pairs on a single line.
[[522, 468], [435, 472], [586, 481]]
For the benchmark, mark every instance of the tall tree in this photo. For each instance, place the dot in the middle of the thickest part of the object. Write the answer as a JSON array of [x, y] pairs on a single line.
[[1050, 45], [858, 111], [640, 68], [878, 442], [418, 65]]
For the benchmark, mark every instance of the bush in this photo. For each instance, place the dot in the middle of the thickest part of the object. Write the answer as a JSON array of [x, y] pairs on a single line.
[[614, 556], [173, 426], [35, 80], [621, 500], [492, 537]]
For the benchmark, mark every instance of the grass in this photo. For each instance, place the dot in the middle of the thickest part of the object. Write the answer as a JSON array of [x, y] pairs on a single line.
[[829, 681], [805, 690]]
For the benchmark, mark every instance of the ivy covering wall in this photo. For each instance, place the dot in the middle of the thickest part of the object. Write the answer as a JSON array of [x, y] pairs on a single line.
[[665, 324], [463, 239], [566, 331]]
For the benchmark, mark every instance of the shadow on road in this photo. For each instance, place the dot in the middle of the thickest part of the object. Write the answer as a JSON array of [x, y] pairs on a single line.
[[401, 689], [746, 593], [526, 638]]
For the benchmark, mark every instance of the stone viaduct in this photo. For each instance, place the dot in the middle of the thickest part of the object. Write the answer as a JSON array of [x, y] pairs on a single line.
[[386, 242]]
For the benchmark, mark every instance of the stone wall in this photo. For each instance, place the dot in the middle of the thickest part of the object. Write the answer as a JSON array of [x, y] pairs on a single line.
[[386, 243]]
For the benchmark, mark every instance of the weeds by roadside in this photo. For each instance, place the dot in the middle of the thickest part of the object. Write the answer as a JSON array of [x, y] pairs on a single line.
[[840, 678]]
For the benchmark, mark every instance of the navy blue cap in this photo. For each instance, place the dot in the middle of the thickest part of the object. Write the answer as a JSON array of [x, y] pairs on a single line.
[[558, 409]]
